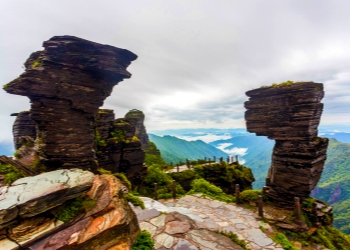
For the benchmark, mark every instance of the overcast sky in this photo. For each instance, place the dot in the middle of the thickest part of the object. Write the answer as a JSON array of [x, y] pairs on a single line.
[[196, 58]]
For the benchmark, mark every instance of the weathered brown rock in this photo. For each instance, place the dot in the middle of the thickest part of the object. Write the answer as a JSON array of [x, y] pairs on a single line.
[[290, 114], [117, 146], [110, 223], [23, 127], [137, 118], [66, 83]]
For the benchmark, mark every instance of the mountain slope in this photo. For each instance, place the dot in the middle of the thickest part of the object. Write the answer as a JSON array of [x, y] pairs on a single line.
[[173, 148], [257, 156]]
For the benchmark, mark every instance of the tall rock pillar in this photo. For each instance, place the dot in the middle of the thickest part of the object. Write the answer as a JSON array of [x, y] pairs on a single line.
[[66, 83], [289, 113]]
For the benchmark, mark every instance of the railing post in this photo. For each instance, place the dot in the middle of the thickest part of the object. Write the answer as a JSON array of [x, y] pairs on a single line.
[[214, 159], [174, 189], [178, 168], [260, 206], [297, 210], [237, 192], [155, 191]]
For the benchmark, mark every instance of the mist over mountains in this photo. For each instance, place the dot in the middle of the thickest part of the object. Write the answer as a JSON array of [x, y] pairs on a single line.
[[255, 152]]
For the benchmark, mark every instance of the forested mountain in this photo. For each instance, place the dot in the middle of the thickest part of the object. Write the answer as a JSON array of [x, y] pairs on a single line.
[[334, 186], [174, 149]]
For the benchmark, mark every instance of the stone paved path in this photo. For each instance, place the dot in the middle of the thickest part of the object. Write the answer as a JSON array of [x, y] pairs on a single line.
[[207, 214]]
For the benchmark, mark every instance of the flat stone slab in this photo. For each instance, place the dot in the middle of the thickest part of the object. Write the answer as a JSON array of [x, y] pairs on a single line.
[[30, 196], [207, 215]]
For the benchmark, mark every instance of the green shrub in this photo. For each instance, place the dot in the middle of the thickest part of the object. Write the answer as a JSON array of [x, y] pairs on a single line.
[[143, 241], [212, 191], [331, 238], [11, 173], [232, 236], [122, 177], [280, 238], [250, 195], [133, 199], [75, 207], [164, 184], [36, 64]]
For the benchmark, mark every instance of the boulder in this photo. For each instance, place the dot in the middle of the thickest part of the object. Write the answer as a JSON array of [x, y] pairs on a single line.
[[109, 223]]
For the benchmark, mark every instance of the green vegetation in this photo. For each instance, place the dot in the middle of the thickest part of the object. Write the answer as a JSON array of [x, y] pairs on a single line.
[[36, 64], [143, 241], [164, 184], [334, 185], [184, 178], [251, 195], [226, 176], [134, 113], [121, 176], [117, 136], [11, 173], [210, 190], [280, 238], [16, 155], [153, 156], [233, 237], [74, 207], [331, 238], [133, 199], [282, 84]]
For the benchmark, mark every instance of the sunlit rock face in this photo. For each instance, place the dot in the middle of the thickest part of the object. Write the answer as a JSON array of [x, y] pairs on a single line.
[[30, 209], [66, 83], [289, 114]]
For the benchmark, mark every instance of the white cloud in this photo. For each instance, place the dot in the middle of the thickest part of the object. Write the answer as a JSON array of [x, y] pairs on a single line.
[[196, 58], [206, 138], [232, 151]]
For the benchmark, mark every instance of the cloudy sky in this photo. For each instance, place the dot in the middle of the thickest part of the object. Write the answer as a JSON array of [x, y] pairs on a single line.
[[197, 58]]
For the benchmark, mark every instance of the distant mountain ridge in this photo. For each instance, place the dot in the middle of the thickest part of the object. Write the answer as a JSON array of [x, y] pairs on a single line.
[[174, 149]]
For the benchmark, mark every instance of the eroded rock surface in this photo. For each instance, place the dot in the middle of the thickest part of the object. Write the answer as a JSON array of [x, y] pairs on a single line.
[[109, 222], [118, 147], [289, 114], [66, 83]]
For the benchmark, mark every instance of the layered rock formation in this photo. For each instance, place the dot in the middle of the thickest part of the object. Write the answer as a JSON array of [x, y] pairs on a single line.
[[290, 114], [137, 118], [32, 210], [66, 83], [117, 145]]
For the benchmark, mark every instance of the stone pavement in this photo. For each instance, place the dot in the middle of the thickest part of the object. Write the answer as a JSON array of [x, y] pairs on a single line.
[[171, 230]]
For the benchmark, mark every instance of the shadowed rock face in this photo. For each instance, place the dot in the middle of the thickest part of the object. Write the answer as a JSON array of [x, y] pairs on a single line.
[[289, 114], [66, 83], [137, 118], [118, 147]]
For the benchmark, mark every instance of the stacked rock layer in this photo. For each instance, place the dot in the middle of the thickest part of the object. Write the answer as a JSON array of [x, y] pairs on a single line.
[[66, 83], [118, 148], [290, 115]]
